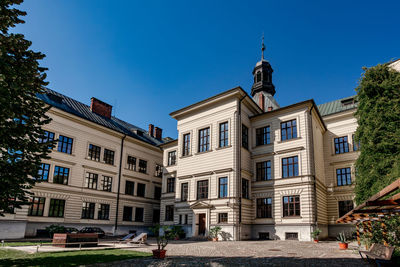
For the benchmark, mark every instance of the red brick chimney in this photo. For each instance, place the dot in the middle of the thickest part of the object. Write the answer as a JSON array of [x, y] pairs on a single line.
[[158, 133], [151, 130], [261, 101], [101, 108]]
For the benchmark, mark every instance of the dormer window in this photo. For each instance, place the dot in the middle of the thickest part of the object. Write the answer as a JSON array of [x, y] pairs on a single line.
[[349, 101]]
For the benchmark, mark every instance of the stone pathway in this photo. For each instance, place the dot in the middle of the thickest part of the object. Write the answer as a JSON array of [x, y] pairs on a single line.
[[249, 253]]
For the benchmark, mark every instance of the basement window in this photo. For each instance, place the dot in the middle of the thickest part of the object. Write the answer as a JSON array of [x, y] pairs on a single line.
[[291, 236]]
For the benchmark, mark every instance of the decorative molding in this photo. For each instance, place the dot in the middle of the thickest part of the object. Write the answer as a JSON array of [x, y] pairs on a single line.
[[98, 169], [344, 197], [290, 192], [134, 177], [223, 170], [62, 161], [289, 150], [264, 194]]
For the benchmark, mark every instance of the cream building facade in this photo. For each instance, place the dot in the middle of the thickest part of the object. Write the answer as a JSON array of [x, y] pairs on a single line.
[[258, 170], [103, 172]]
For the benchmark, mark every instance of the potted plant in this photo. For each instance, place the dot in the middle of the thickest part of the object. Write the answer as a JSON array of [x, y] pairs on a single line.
[[366, 240], [214, 232], [162, 240], [315, 234], [178, 231], [343, 243]]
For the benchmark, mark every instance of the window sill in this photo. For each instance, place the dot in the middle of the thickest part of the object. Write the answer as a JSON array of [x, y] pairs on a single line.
[[292, 217], [185, 156], [224, 147], [288, 140], [204, 152], [171, 165]]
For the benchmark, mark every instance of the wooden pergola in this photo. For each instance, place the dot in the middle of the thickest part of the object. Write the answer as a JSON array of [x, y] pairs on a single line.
[[385, 203]]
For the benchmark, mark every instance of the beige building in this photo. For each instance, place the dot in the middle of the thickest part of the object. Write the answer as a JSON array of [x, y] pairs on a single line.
[[103, 172], [258, 170]]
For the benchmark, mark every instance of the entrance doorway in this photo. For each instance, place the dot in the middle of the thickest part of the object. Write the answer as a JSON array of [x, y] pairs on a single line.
[[202, 224]]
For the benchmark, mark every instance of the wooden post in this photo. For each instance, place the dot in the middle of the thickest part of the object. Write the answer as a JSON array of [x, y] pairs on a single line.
[[358, 234]]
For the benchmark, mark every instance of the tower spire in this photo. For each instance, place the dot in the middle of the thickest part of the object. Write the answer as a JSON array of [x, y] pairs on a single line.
[[262, 48]]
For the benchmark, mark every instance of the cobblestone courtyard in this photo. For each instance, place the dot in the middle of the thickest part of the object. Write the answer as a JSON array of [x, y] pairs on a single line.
[[250, 253]]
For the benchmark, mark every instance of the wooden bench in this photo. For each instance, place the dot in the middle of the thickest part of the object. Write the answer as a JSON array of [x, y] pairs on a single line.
[[379, 253]]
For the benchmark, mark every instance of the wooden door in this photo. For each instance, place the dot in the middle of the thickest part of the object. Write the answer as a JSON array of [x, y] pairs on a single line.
[[202, 224]]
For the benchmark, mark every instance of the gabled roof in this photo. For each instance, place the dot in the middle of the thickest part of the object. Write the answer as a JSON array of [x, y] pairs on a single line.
[[83, 111], [336, 106]]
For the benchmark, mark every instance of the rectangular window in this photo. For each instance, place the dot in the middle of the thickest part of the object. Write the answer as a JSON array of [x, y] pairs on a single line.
[[290, 167], [56, 208], [345, 206], [169, 213], [186, 144], [204, 140], [127, 215], [343, 176], [131, 163], [245, 137], [341, 145], [108, 156], [158, 172], [103, 212], [356, 145], [186, 219], [180, 218], [60, 175], [37, 206], [157, 192], [184, 191], [223, 134], [171, 158], [291, 206], [91, 180], [170, 185], [222, 217], [129, 187], [65, 144], [263, 136], [288, 130], [223, 187], [245, 188], [141, 190], [156, 216], [263, 171], [202, 189], [106, 183], [139, 212], [264, 207], [47, 137], [142, 166], [94, 152], [43, 174], [88, 210]]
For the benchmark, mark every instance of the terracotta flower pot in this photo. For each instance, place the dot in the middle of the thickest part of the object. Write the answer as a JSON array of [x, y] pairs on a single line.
[[343, 246], [159, 254], [316, 240], [215, 239]]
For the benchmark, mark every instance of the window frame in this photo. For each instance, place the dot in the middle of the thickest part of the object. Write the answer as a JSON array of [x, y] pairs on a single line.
[[264, 170], [245, 188], [264, 208], [348, 207], [201, 193], [186, 144], [108, 156], [131, 163], [157, 192], [287, 208], [182, 191], [169, 213], [125, 216], [225, 187], [204, 139], [62, 172], [65, 144], [142, 187], [263, 135], [158, 171], [103, 214], [37, 209], [171, 158], [48, 136], [288, 166], [341, 145], [56, 206], [43, 172], [94, 152], [88, 210], [345, 175], [171, 185], [143, 166], [286, 128], [245, 136], [223, 217], [223, 134], [91, 180], [106, 183], [136, 214], [130, 187]]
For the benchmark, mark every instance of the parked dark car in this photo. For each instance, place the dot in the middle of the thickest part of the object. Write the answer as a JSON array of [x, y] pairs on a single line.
[[93, 230], [71, 230]]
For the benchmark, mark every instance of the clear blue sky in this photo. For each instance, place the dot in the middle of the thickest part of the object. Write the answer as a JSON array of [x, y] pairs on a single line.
[[149, 58]]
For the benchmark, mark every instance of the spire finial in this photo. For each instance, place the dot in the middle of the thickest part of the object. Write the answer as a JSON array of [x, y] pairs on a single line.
[[262, 48]]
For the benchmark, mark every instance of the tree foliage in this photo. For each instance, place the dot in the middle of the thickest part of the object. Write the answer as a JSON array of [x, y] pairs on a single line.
[[378, 131], [22, 114]]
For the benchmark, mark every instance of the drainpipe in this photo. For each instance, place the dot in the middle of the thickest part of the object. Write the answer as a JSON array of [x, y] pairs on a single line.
[[239, 163], [119, 184], [314, 174]]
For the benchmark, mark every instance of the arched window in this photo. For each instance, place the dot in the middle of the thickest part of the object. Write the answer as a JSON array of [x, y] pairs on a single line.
[[259, 76]]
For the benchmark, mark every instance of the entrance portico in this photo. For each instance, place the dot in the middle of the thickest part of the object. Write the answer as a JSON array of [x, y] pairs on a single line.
[[201, 215]]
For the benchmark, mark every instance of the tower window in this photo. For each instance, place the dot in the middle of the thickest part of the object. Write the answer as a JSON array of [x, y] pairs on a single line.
[[258, 75]]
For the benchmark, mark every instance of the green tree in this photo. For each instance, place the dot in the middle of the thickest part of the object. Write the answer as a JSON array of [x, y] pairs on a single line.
[[378, 131], [22, 114]]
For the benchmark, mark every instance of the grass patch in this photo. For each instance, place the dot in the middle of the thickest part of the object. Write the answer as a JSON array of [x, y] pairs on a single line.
[[10, 257], [17, 244]]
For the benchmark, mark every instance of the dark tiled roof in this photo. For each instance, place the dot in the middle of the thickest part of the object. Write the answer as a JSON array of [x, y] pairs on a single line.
[[337, 106], [81, 110]]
